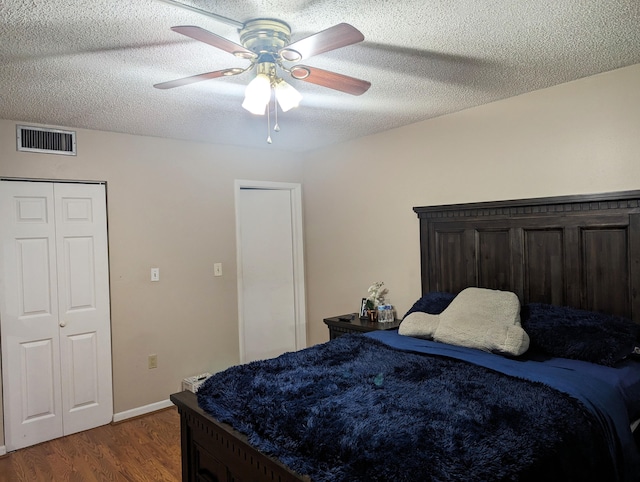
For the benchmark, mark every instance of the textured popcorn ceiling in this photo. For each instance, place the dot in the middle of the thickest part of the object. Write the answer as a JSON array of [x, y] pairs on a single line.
[[92, 64]]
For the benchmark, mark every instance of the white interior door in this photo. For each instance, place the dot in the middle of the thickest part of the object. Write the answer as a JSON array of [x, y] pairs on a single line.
[[54, 310], [271, 298]]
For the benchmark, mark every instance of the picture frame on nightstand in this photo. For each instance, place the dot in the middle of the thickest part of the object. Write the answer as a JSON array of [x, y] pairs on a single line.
[[363, 308]]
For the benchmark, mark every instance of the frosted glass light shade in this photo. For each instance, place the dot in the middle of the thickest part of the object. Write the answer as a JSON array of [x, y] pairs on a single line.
[[288, 97], [257, 94]]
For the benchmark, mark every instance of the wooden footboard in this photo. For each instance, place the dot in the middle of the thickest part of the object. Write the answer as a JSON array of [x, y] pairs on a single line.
[[213, 451]]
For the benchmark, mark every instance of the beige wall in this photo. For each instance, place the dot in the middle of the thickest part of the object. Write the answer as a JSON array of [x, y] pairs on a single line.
[[170, 204], [580, 137]]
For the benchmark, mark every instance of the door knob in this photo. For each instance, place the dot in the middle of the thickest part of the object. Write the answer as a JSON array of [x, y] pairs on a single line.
[[63, 324]]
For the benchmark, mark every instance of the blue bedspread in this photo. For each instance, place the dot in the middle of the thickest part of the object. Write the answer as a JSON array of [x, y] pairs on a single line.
[[597, 387], [373, 408]]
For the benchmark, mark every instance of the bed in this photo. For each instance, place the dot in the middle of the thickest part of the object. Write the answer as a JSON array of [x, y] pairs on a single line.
[[387, 406]]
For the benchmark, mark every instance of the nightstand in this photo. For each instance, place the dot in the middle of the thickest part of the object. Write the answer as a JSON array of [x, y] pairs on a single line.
[[351, 323]]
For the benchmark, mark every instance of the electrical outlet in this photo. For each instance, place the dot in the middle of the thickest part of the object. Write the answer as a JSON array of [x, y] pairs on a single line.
[[153, 361]]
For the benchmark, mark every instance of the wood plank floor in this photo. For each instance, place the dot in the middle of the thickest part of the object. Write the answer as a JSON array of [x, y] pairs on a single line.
[[141, 449]]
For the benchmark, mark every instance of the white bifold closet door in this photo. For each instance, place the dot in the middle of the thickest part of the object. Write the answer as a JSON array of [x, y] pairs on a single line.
[[54, 310]]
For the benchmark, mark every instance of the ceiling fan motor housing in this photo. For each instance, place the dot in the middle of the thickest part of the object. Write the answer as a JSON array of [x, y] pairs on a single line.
[[265, 37]]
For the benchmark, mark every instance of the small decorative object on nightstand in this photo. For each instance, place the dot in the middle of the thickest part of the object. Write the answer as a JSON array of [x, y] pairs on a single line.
[[386, 314], [369, 307], [351, 323]]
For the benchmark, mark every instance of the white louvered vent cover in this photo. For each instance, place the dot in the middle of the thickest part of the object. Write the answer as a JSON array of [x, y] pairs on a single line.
[[51, 141]]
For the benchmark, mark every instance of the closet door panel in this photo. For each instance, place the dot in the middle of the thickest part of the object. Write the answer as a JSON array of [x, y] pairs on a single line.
[[32, 394], [83, 288]]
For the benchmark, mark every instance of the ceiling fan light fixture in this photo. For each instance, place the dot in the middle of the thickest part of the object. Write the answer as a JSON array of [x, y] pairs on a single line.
[[286, 95], [257, 94]]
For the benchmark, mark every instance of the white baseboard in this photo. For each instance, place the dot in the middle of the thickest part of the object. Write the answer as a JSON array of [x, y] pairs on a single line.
[[3, 450], [136, 412]]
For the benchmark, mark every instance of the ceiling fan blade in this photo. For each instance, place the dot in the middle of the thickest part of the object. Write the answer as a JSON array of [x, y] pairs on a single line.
[[332, 80], [332, 38], [217, 41], [197, 78]]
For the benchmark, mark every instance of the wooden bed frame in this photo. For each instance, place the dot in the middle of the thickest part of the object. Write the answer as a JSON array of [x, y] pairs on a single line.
[[579, 251]]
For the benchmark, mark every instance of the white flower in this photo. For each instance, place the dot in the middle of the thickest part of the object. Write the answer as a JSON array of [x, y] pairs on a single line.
[[376, 291]]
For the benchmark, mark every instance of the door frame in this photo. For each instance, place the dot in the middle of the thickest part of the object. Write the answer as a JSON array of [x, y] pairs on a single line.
[[295, 192]]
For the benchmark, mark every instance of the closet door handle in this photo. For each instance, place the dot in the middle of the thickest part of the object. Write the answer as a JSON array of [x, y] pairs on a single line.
[[63, 324]]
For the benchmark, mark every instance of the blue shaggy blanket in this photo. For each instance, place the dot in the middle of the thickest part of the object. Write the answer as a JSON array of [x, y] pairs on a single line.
[[355, 409]]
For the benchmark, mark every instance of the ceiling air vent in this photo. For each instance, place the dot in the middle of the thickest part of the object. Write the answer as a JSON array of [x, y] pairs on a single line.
[[40, 139]]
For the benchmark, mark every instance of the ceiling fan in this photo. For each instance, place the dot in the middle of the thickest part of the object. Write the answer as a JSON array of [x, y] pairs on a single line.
[[265, 43]]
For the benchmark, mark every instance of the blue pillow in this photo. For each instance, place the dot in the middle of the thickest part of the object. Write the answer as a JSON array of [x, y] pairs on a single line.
[[433, 303], [566, 332]]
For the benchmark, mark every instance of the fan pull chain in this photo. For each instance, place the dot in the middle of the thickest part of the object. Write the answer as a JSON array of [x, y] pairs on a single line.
[[269, 141], [276, 127]]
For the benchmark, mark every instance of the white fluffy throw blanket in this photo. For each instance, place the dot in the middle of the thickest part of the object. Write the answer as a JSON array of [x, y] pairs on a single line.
[[477, 318]]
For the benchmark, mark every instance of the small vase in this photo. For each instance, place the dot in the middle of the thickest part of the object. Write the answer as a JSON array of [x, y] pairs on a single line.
[[373, 315]]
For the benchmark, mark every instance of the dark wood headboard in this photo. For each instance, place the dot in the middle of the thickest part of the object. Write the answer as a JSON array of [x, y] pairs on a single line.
[[580, 251]]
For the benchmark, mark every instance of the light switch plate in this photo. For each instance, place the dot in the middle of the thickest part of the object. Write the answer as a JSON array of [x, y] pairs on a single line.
[[217, 269], [155, 274]]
